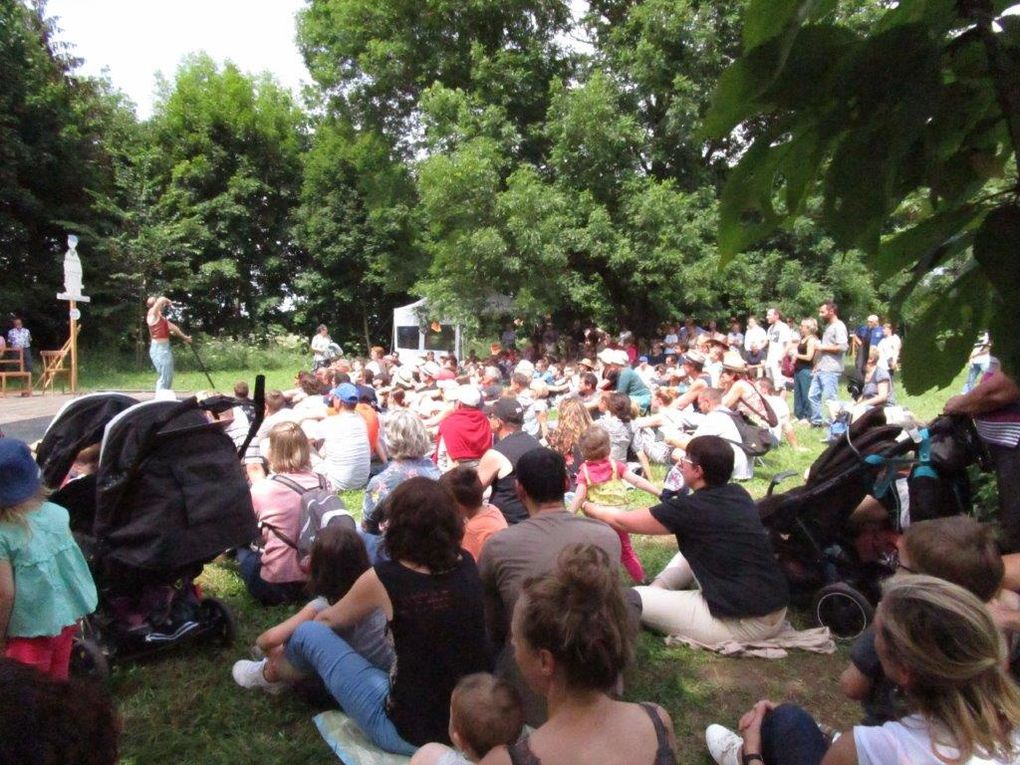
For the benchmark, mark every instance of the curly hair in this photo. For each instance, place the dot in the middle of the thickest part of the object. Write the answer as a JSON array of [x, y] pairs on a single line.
[[424, 525], [406, 436], [577, 612], [573, 420]]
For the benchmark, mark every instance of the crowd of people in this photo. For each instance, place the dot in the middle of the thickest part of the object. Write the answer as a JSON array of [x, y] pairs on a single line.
[[480, 591]]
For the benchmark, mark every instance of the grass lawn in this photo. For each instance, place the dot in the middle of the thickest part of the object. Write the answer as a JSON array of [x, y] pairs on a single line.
[[185, 708]]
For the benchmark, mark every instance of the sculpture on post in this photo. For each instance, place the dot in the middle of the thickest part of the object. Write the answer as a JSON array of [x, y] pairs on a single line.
[[72, 273]]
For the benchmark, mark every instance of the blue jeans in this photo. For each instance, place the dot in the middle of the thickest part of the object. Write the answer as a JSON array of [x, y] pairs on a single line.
[[360, 688], [823, 387], [789, 736], [801, 390], [267, 593], [163, 359]]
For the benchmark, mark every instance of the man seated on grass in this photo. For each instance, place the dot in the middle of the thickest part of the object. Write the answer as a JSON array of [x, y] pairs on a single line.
[[724, 549]]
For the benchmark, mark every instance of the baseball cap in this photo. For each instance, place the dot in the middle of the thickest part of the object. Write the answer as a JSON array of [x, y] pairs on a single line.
[[346, 392], [508, 409], [469, 395]]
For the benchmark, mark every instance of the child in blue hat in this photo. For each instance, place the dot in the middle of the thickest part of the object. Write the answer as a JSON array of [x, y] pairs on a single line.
[[45, 584]]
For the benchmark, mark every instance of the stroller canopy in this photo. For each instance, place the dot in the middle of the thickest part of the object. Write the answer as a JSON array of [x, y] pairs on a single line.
[[170, 489], [78, 424]]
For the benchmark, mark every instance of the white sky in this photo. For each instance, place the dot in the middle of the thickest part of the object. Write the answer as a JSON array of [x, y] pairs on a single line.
[[135, 39]]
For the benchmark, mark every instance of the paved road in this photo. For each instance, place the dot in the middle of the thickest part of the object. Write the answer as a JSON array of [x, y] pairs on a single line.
[[27, 418]]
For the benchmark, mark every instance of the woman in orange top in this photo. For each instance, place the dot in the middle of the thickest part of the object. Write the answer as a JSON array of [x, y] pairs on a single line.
[[160, 329]]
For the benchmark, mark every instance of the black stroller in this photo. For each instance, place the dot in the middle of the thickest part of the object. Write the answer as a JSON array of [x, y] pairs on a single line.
[[169, 495], [915, 472]]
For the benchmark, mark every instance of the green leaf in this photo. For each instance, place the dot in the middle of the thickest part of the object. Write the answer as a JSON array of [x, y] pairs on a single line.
[[905, 248], [746, 210], [934, 356], [768, 19], [997, 249], [739, 87]]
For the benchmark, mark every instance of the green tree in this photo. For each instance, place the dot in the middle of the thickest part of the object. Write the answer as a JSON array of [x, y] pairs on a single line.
[[355, 221], [227, 169], [910, 130], [54, 164]]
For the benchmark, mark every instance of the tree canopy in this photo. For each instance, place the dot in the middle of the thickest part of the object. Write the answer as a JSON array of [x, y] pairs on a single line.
[[643, 161]]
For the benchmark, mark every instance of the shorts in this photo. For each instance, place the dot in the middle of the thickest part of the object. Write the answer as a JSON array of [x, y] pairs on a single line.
[[50, 655]]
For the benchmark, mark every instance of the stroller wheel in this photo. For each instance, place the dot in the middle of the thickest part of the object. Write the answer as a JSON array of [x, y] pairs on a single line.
[[842, 609], [218, 621], [88, 659]]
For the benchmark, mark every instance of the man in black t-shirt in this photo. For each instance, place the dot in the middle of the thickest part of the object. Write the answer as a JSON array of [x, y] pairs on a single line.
[[723, 548]]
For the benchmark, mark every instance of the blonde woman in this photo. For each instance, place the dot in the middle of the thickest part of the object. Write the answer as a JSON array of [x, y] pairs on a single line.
[[938, 643], [803, 361], [564, 438], [273, 575]]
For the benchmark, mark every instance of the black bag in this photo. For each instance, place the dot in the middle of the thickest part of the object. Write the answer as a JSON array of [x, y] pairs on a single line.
[[320, 508], [755, 440]]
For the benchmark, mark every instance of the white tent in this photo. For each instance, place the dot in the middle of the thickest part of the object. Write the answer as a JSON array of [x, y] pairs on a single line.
[[414, 333]]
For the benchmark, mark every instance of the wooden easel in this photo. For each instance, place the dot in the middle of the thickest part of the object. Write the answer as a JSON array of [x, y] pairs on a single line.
[[53, 361]]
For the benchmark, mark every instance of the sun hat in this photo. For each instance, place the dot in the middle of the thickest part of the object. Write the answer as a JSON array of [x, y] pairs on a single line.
[[20, 474], [732, 362], [508, 409], [694, 358], [346, 392], [404, 377], [586, 363], [429, 368]]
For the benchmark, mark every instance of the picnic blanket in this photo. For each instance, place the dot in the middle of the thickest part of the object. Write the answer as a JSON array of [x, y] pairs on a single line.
[[351, 745], [817, 640]]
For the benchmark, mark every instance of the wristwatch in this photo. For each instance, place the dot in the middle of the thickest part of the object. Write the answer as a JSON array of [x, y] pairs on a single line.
[[750, 757]]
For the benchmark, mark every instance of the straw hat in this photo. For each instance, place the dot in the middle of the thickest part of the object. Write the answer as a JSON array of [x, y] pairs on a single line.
[[732, 362]]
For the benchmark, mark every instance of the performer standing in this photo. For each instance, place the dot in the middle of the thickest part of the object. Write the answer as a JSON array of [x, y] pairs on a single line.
[[160, 329]]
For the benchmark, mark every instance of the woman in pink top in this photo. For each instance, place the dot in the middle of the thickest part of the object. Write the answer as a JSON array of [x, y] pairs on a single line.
[[481, 520], [273, 575]]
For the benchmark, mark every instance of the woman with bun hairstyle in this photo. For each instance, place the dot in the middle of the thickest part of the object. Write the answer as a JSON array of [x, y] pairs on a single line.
[[572, 638], [938, 643]]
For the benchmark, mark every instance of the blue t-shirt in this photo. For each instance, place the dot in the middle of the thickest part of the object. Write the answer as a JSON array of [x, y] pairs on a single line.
[[53, 587]]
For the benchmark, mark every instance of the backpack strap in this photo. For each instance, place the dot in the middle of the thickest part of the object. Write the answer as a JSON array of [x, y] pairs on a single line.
[[290, 483], [279, 534]]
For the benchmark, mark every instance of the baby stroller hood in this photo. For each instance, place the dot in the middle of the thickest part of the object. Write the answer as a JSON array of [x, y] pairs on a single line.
[[170, 490], [78, 424]]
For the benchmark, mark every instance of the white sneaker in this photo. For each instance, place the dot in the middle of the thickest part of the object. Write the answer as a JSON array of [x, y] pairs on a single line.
[[251, 674], [723, 744]]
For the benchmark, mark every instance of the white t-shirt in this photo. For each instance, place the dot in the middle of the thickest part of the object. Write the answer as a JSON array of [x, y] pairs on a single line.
[[909, 741], [754, 336], [779, 335], [346, 453], [719, 423]]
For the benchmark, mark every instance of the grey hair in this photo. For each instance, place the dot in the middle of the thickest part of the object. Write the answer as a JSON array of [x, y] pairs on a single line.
[[406, 436]]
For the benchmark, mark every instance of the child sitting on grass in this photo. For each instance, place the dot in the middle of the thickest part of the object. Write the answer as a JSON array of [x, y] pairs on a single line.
[[485, 712], [337, 559], [601, 481]]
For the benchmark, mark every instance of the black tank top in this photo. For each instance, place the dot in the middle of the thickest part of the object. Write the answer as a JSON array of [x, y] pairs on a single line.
[[521, 754], [438, 632], [800, 363], [504, 493]]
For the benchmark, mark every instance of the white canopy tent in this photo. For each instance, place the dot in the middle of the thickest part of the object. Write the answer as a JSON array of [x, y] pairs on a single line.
[[414, 333]]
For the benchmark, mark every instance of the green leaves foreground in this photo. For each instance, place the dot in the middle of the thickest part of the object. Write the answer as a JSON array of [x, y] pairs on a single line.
[[910, 132]]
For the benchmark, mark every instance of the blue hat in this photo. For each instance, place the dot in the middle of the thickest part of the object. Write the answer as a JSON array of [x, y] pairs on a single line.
[[642, 358], [346, 392], [19, 475]]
